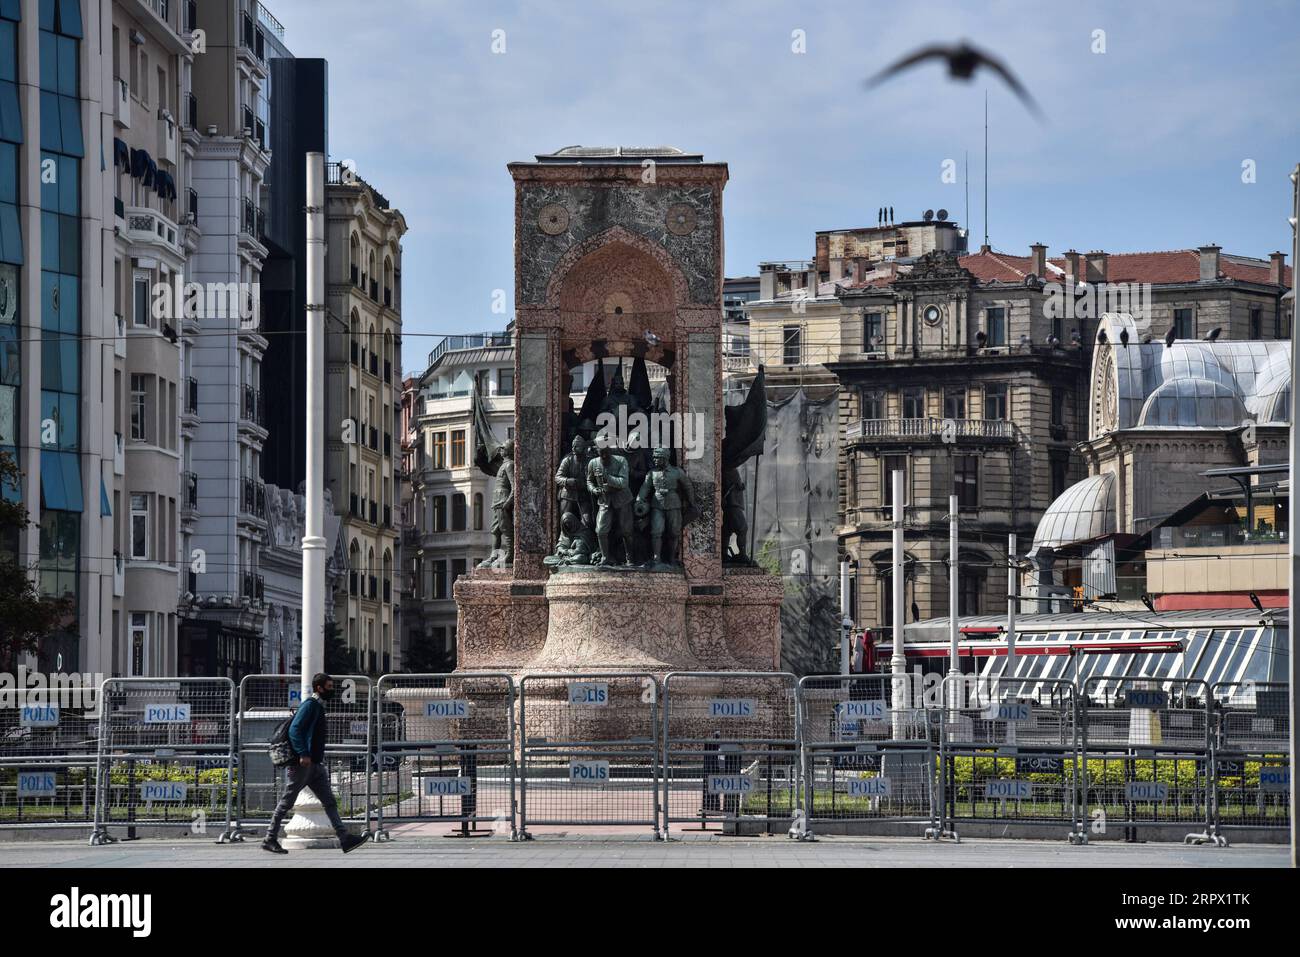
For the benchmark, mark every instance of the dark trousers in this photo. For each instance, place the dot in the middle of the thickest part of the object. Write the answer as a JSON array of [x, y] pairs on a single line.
[[316, 778]]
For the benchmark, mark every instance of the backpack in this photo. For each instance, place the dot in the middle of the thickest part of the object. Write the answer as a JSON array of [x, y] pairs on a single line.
[[281, 751]]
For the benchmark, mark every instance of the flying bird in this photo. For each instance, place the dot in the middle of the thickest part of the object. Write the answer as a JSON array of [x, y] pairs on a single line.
[[1213, 333], [963, 60], [1170, 337]]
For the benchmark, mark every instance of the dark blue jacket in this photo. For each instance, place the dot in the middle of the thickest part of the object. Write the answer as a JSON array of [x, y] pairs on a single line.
[[307, 730]]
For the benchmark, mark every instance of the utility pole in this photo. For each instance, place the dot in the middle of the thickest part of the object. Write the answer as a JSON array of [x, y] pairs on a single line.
[[954, 667], [846, 620], [898, 660], [1012, 599], [1294, 528], [313, 542]]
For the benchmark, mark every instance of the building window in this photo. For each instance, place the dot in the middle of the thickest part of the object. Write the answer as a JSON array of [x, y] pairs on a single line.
[[458, 566], [440, 513], [458, 449], [141, 314], [140, 527], [1060, 463], [996, 320], [439, 579], [873, 404], [139, 404], [890, 464], [791, 345], [506, 382], [873, 332], [914, 403], [954, 403], [965, 480], [851, 480], [458, 511], [1256, 322], [970, 586], [1184, 328], [478, 511], [1058, 407], [139, 642], [440, 450], [995, 401]]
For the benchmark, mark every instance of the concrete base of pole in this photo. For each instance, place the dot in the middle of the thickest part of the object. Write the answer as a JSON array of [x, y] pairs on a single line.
[[309, 827]]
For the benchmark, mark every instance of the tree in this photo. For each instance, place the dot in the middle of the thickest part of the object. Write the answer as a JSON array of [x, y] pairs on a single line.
[[339, 660], [423, 657], [26, 616]]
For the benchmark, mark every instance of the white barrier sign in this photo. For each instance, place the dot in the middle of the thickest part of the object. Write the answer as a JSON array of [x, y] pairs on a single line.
[[38, 716], [166, 714], [295, 697], [1008, 790], [448, 787], [457, 708], [358, 729], [1008, 711], [1274, 778], [589, 692], [870, 787], [152, 791], [732, 708], [1147, 791], [864, 711], [589, 772], [729, 784], [36, 784]]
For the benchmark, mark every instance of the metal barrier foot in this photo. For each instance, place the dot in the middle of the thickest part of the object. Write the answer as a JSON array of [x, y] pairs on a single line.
[[101, 838], [231, 836], [381, 835], [1198, 839]]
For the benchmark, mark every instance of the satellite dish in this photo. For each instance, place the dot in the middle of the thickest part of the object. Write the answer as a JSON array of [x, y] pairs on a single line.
[[929, 215], [942, 215]]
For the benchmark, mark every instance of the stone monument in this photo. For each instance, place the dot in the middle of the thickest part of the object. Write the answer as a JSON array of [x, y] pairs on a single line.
[[616, 561]]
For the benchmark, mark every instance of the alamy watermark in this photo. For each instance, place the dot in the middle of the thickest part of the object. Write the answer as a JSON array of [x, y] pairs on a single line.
[[41, 696], [1089, 300], [207, 300], [652, 430]]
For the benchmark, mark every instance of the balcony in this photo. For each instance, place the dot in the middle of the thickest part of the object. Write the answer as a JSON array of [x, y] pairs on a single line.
[[119, 336], [253, 587], [251, 409], [930, 430], [167, 137], [192, 205], [252, 499], [189, 492], [150, 227], [122, 104], [252, 41], [191, 114], [191, 15]]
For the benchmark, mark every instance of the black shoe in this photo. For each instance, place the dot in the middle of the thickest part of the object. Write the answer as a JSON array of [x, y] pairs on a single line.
[[350, 842], [273, 845]]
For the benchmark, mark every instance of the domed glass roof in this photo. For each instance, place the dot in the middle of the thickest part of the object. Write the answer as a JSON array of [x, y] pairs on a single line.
[[1193, 402], [1084, 511]]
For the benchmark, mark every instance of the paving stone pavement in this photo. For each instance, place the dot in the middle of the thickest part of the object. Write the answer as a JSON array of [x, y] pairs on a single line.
[[574, 849]]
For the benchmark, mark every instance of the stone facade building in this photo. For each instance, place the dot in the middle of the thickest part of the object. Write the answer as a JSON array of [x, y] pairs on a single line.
[[363, 406], [970, 373]]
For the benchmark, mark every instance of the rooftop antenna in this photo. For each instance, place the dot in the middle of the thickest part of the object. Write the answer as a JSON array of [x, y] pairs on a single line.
[[986, 167], [968, 192]]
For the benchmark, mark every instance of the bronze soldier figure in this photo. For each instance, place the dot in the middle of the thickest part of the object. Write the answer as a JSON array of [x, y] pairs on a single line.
[[665, 492], [607, 480]]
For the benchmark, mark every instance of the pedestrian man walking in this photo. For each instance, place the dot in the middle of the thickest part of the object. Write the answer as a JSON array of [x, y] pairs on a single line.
[[307, 738]]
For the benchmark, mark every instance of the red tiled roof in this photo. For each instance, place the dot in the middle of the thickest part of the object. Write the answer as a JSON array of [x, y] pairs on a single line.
[[1171, 266]]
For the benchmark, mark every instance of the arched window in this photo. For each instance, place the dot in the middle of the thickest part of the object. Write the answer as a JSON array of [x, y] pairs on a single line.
[[388, 575], [478, 511], [370, 572], [458, 512], [354, 569], [388, 281], [354, 259], [354, 331], [372, 275]]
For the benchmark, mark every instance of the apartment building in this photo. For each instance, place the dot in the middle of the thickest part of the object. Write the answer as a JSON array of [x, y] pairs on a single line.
[[363, 406], [226, 615]]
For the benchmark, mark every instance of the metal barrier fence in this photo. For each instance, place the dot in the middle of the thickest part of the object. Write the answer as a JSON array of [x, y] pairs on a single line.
[[49, 752], [730, 749], [265, 701], [1008, 753], [869, 751], [445, 751], [706, 749], [166, 755], [1147, 755], [590, 750], [1252, 756]]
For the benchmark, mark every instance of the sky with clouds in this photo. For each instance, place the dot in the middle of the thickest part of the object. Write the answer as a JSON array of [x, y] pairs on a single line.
[[1142, 148]]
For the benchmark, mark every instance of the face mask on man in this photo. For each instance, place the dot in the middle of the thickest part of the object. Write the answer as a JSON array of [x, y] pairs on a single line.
[[326, 693]]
